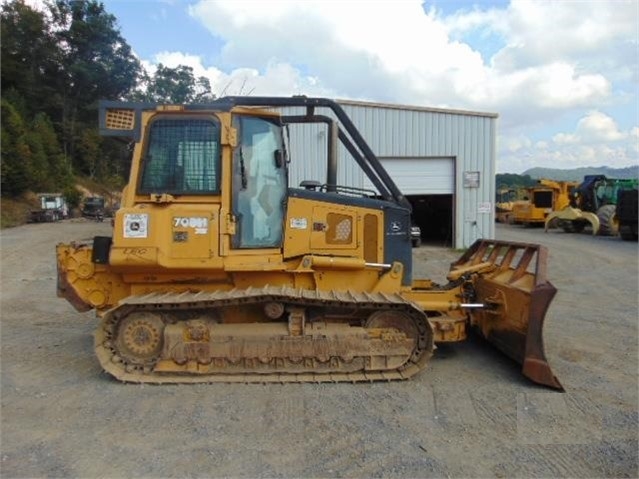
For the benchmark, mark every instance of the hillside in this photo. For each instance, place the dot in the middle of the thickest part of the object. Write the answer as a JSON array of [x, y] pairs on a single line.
[[16, 211], [578, 174]]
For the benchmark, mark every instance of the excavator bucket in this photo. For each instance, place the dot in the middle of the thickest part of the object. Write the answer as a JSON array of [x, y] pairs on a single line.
[[509, 281]]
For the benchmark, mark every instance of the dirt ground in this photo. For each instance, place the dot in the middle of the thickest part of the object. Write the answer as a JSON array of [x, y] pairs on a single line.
[[469, 415]]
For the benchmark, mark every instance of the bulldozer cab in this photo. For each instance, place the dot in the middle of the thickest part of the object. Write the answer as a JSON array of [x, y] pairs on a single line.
[[182, 157], [210, 182]]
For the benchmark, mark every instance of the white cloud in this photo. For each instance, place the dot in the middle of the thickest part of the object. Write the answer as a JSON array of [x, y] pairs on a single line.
[[598, 126], [596, 140], [397, 52], [585, 32], [595, 127], [549, 60], [535, 62], [174, 59], [569, 156], [566, 139], [514, 143], [275, 79]]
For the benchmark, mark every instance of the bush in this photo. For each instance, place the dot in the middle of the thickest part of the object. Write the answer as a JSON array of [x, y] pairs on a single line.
[[73, 197]]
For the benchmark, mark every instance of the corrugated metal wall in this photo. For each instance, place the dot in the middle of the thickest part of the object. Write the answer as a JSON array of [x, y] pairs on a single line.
[[397, 132]]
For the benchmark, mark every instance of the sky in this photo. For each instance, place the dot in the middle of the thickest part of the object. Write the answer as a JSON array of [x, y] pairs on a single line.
[[562, 75]]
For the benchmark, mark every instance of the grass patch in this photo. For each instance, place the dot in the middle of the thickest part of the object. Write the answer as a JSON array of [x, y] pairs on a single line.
[[15, 211], [92, 187]]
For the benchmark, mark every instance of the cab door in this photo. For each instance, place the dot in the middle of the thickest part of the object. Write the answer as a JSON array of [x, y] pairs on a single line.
[[259, 183]]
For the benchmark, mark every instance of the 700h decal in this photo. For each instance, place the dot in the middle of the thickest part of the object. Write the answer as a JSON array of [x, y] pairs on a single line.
[[199, 223]]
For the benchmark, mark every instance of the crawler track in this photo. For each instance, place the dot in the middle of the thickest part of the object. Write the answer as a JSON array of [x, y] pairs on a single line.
[[221, 356]]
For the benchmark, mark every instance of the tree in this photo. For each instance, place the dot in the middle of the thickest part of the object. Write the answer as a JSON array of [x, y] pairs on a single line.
[[203, 93], [58, 169], [58, 60], [38, 166], [513, 180], [89, 149], [30, 56], [176, 85], [97, 63], [15, 154]]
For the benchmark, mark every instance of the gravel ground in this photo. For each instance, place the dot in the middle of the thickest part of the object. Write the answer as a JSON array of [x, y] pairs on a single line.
[[469, 415]]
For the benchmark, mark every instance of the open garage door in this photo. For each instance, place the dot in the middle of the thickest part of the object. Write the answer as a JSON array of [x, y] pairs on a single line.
[[429, 185], [434, 214]]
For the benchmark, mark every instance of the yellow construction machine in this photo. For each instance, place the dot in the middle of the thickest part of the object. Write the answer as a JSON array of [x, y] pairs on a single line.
[[543, 198], [219, 271], [592, 203], [505, 199]]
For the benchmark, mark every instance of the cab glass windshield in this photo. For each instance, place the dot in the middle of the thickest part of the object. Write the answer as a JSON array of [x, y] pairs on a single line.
[[182, 157]]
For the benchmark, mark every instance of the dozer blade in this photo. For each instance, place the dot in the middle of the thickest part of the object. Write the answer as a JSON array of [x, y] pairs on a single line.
[[515, 295]]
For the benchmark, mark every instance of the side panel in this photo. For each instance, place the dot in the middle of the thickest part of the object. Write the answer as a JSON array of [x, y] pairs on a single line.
[[313, 227], [176, 236], [310, 228], [397, 245]]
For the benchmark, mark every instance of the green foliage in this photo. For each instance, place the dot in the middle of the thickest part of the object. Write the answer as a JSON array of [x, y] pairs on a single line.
[[175, 85], [72, 196], [58, 60], [31, 155], [88, 148], [513, 181], [15, 154], [56, 64], [59, 169], [98, 63], [37, 168], [30, 56]]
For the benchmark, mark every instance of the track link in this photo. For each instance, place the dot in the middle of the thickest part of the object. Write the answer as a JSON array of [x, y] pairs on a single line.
[[118, 335]]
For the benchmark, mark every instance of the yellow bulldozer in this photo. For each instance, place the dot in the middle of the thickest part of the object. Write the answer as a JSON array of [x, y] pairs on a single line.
[[542, 199], [219, 271]]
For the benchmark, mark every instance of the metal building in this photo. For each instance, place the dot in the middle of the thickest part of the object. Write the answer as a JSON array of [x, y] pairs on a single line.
[[442, 160]]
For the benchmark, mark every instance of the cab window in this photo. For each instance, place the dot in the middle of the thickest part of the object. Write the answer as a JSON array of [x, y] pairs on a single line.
[[259, 183], [182, 157]]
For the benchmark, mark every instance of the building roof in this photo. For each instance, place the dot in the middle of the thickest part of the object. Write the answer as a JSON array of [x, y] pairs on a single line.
[[393, 106]]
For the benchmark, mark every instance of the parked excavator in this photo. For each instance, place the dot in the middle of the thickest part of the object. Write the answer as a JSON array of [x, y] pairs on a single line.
[[592, 203], [543, 198], [219, 271]]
